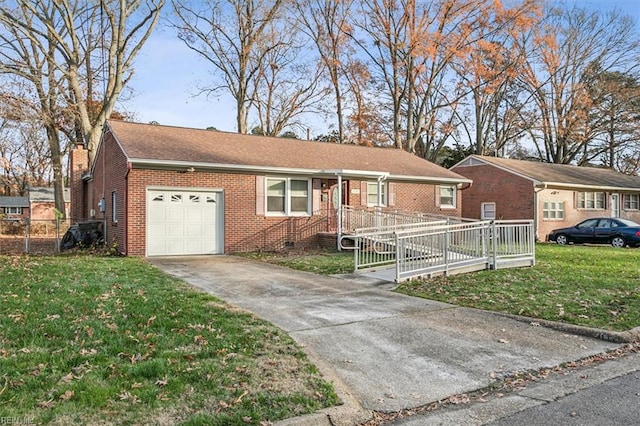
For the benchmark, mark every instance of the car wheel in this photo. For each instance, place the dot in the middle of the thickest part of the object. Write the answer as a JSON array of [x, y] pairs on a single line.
[[618, 242], [562, 240]]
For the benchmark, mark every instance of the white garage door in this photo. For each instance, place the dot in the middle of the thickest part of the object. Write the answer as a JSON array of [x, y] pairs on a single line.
[[183, 222]]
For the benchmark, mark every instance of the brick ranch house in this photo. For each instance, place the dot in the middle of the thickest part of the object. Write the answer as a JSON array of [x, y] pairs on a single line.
[[553, 195], [14, 208], [162, 190]]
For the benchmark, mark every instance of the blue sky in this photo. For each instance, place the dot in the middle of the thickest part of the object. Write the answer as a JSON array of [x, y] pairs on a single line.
[[167, 75]]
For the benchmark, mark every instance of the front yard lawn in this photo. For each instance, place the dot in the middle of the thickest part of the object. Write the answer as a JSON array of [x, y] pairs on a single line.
[[583, 285], [95, 340]]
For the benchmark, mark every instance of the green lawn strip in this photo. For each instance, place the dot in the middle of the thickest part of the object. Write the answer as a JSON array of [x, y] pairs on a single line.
[[95, 340], [582, 285], [321, 262]]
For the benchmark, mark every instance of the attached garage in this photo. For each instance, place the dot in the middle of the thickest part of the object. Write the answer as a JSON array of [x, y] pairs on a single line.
[[181, 222]]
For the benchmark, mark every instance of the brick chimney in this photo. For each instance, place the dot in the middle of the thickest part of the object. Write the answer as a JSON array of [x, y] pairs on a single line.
[[78, 187]]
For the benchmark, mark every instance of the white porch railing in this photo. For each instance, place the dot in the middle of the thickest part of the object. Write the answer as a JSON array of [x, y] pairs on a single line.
[[354, 218], [438, 247]]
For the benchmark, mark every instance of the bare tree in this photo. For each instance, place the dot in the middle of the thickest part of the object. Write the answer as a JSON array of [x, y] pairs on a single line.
[[413, 48], [327, 24], [568, 42], [288, 84], [231, 35], [25, 158], [49, 45]]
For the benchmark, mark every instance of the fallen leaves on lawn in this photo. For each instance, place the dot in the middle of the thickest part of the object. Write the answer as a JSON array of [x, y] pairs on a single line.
[[67, 395], [47, 404]]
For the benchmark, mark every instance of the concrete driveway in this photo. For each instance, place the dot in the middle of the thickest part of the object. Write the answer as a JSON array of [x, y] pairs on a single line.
[[391, 351]]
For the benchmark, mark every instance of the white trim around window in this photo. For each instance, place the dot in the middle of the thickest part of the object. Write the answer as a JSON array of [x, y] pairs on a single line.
[[13, 210], [488, 211], [553, 210], [591, 200], [448, 196], [632, 201], [287, 197], [372, 194], [114, 206]]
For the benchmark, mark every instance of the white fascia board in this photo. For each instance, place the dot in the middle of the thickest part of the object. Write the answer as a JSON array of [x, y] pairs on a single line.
[[536, 182], [570, 186], [430, 179], [356, 173], [165, 164]]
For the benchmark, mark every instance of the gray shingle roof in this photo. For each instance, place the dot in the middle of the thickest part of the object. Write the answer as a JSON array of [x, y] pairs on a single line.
[[14, 202], [561, 174], [45, 194], [145, 143]]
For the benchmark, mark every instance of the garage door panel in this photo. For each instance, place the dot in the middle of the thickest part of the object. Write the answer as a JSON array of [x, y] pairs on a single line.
[[195, 214], [183, 223]]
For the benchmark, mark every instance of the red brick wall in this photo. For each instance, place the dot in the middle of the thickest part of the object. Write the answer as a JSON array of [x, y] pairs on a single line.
[[422, 198], [109, 175], [243, 229], [513, 195]]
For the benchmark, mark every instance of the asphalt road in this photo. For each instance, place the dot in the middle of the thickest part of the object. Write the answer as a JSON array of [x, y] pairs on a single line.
[[603, 394]]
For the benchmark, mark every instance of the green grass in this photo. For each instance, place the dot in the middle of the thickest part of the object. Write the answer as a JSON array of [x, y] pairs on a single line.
[[95, 340], [583, 285], [321, 262]]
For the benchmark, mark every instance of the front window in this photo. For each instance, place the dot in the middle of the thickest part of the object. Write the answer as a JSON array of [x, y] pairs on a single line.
[[632, 202], [13, 210], [553, 210], [372, 194], [591, 200], [287, 196], [448, 196]]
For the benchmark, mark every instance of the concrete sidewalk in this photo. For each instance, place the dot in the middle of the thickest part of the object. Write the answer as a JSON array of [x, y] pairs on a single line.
[[385, 351]]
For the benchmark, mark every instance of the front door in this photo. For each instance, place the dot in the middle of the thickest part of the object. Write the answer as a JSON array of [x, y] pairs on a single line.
[[335, 192], [615, 205]]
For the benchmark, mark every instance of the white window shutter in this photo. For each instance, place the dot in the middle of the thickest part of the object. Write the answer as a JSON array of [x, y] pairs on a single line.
[[260, 200], [392, 194], [317, 192], [437, 194], [363, 193]]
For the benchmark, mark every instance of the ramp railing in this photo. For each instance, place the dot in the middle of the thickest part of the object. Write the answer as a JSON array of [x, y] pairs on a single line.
[[438, 247]]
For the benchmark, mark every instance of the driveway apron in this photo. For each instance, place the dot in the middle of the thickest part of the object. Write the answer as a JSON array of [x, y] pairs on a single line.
[[392, 351]]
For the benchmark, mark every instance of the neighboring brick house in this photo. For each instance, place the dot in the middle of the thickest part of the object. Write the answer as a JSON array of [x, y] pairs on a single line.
[[553, 195], [163, 190], [42, 203], [14, 208]]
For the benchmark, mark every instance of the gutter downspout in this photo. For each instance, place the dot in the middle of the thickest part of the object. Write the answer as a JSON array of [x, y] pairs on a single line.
[[125, 238], [339, 212], [536, 208]]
